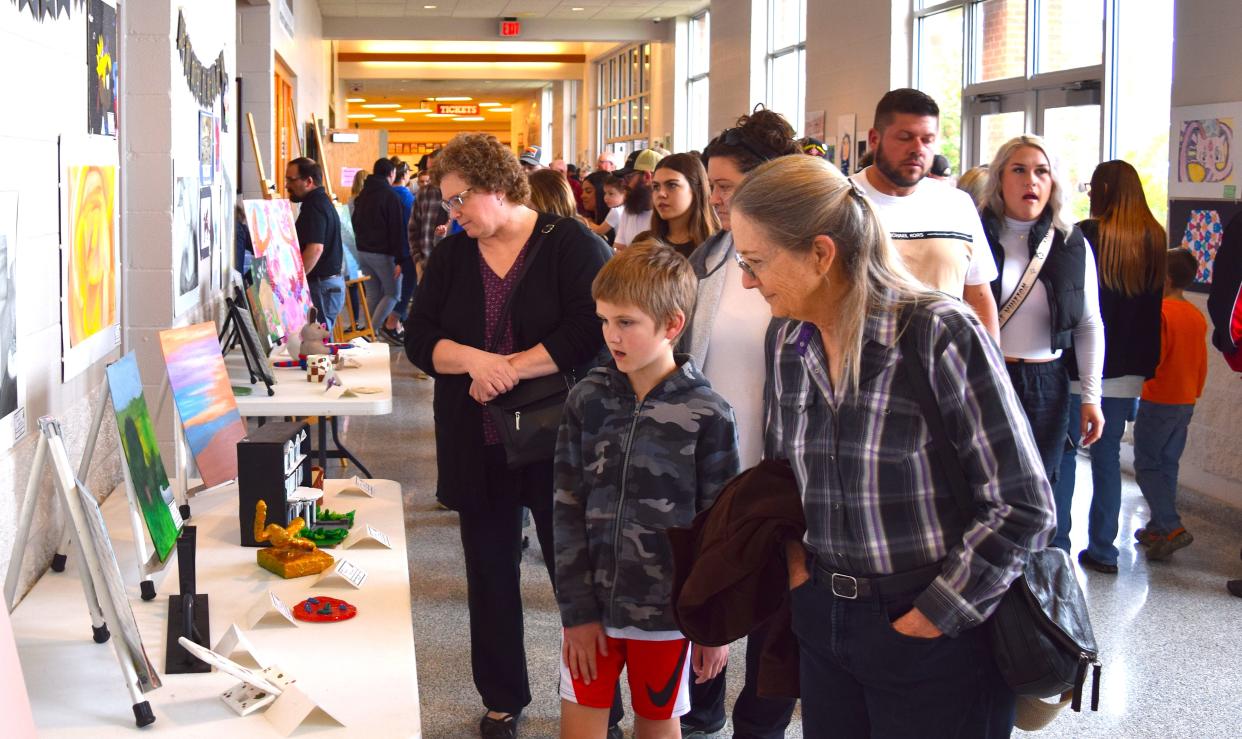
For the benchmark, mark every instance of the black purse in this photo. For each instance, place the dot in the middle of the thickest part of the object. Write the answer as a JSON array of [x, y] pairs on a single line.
[[528, 417], [1040, 632]]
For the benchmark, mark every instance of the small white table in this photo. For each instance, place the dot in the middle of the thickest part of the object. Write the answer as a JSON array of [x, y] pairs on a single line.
[[362, 670], [294, 396]]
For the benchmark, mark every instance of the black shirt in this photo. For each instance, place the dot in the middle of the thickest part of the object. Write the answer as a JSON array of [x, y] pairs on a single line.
[[319, 223]]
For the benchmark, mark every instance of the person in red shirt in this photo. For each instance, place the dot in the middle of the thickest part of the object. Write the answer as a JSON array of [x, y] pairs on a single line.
[[1166, 407]]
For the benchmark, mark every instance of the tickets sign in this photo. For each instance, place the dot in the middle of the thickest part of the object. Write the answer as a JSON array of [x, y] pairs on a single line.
[[458, 109]]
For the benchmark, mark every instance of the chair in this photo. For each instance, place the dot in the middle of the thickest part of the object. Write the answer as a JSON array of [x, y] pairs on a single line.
[[341, 333]]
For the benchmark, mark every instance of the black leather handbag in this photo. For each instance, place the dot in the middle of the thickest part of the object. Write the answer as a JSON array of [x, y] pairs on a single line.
[[528, 417], [1040, 632]]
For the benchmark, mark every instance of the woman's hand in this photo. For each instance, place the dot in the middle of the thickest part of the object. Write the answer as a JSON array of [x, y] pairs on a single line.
[[795, 557], [707, 662], [1092, 424], [493, 375], [579, 648]]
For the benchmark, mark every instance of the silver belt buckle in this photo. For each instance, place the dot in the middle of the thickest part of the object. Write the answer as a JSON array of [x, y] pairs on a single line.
[[844, 586]]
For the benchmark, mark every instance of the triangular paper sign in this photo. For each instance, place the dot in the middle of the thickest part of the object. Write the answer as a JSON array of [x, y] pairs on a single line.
[[342, 574], [236, 646], [367, 536], [269, 610], [294, 708]]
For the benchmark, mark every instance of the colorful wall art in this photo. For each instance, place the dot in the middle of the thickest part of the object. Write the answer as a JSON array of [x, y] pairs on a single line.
[[263, 304], [102, 69], [185, 244], [200, 386], [206, 148], [1204, 155], [90, 257], [206, 224], [1199, 226], [11, 379], [274, 237], [143, 465]]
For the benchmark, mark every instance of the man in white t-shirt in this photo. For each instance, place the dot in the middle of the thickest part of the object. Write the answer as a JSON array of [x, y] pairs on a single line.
[[634, 217], [934, 226]]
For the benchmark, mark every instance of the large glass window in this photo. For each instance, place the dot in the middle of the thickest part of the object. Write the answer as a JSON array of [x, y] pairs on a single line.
[[623, 105], [1071, 34], [698, 65], [940, 75], [787, 60], [1000, 40]]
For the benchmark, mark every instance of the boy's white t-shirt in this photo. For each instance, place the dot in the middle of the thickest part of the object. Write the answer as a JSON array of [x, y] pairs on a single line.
[[937, 231], [628, 225]]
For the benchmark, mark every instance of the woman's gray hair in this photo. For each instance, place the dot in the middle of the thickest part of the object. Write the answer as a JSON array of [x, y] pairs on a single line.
[[794, 199], [994, 199]]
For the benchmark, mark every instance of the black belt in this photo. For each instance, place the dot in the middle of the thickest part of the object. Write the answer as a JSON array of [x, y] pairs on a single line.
[[850, 587], [321, 279]]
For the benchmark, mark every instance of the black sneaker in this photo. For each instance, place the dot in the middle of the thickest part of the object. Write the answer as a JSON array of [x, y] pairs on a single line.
[[1164, 547], [392, 336], [1235, 588], [499, 728], [696, 732], [614, 732], [1089, 562]]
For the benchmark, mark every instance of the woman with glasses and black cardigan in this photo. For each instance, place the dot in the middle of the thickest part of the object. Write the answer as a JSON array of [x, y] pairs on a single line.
[[460, 334]]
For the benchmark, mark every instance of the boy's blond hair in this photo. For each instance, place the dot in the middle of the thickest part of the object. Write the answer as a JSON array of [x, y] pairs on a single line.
[[651, 276]]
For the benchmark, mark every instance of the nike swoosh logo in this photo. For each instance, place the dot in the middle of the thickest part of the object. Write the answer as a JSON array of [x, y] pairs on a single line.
[[662, 698]]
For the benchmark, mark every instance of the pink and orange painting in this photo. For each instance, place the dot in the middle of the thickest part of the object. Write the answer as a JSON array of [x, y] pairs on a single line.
[[91, 270], [274, 237], [200, 386]]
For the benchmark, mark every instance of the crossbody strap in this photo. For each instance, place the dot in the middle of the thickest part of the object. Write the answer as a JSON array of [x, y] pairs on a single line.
[[1023, 290], [530, 258]]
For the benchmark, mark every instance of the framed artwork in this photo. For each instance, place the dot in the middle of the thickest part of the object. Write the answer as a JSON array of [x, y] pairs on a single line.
[[12, 380], [185, 243], [1199, 226], [262, 303], [1204, 154], [102, 69], [144, 468], [206, 224], [204, 398], [206, 148], [846, 136], [275, 239]]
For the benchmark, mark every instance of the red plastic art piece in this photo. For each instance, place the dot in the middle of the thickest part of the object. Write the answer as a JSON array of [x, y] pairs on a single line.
[[324, 609]]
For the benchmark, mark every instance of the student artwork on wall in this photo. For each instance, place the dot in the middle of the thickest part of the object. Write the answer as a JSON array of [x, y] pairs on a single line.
[[845, 141], [1199, 226], [143, 466], [102, 68], [12, 385], [90, 257], [1204, 153], [206, 224], [185, 244], [275, 239], [206, 148], [204, 398]]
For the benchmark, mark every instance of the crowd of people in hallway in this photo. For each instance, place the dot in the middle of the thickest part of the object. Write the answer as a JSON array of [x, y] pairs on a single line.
[[631, 350]]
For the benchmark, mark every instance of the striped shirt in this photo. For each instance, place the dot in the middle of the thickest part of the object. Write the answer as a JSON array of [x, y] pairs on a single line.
[[875, 501]]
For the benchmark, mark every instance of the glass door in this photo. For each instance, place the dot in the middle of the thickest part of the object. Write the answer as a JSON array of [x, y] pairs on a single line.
[[1070, 120], [992, 120]]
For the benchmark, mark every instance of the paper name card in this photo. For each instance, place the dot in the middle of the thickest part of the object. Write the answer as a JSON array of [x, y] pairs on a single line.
[[245, 699], [366, 536], [269, 609], [295, 707], [359, 486], [343, 573], [334, 391], [235, 645]]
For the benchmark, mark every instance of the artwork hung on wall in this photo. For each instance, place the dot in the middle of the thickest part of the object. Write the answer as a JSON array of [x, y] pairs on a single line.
[[185, 244], [1204, 151], [206, 148], [204, 398], [206, 224], [12, 383], [845, 141], [90, 256], [102, 68], [143, 464], [274, 237], [1199, 226]]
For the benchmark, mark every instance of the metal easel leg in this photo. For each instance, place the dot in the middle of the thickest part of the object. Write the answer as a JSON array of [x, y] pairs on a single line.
[[24, 520]]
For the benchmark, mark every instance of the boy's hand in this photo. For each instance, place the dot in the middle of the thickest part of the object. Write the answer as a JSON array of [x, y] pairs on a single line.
[[707, 662], [578, 651]]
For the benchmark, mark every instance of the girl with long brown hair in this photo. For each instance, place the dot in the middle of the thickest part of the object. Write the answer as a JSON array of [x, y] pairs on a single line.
[[683, 216]]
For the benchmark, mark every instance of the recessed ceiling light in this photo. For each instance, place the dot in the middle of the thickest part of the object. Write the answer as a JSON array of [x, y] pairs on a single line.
[[415, 110], [382, 105], [389, 120], [465, 118], [429, 7], [452, 99], [361, 115], [355, 100], [576, 10], [489, 105], [440, 115], [501, 110]]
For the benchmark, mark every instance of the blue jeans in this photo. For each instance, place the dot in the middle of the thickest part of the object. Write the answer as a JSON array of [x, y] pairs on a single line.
[[328, 297], [1043, 391], [409, 286], [1104, 517], [381, 288], [1159, 439]]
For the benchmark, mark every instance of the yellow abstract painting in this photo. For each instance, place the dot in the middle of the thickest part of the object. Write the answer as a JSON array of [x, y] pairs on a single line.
[[90, 292]]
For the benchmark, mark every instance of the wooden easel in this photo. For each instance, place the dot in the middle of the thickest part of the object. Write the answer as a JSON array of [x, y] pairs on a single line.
[[323, 159], [269, 190]]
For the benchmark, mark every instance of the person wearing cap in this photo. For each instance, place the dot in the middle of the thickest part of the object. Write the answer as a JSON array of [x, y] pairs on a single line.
[[605, 163], [634, 216], [940, 169], [813, 147], [530, 159]]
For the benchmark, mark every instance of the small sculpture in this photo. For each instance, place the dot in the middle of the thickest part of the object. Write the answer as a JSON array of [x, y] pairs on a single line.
[[290, 555], [313, 336]]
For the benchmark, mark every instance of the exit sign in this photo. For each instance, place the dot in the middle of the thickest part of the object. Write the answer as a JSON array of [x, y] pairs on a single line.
[[510, 27]]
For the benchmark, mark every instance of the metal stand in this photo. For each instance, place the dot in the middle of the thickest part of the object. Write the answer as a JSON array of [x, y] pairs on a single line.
[[251, 353]]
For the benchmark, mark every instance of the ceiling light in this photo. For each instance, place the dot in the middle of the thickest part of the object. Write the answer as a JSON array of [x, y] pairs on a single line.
[[389, 120], [452, 99], [489, 105], [429, 7], [465, 118], [577, 10], [381, 105], [440, 115], [501, 110], [415, 110], [355, 100], [361, 115]]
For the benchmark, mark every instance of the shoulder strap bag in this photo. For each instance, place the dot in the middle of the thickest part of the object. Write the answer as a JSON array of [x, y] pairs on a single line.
[[1040, 633], [528, 417], [1023, 290]]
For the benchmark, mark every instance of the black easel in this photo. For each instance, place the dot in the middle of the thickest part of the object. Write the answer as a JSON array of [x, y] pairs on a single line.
[[256, 362], [187, 612]]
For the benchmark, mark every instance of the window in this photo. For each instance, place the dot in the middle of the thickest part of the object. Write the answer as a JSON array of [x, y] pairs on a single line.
[[697, 65], [786, 60], [940, 64], [623, 102]]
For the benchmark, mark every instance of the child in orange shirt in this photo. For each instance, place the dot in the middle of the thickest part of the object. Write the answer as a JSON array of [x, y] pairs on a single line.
[[1166, 407]]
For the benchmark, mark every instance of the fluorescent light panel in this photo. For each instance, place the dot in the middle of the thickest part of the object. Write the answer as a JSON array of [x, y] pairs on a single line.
[[382, 105], [465, 118], [355, 100], [389, 120], [361, 115], [489, 105], [452, 99], [414, 110]]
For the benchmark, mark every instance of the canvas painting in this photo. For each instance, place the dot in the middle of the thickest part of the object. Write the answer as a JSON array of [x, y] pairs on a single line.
[[89, 260], [143, 465], [204, 398], [206, 224], [185, 244], [1199, 225], [263, 304], [274, 238], [1205, 157], [10, 372], [349, 241], [845, 141], [206, 148], [102, 69]]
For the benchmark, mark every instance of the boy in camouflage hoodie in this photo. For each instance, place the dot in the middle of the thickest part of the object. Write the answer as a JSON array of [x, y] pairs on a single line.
[[645, 445]]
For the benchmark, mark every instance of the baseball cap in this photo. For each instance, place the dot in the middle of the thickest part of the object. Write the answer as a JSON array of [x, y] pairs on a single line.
[[940, 166], [644, 160], [531, 156]]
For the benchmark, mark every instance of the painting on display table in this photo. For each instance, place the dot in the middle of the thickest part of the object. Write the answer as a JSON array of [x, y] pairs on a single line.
[[144, 467], [102, 68], [90, 261], [263, 305], [11, 380], [204, 398], [274, 238]]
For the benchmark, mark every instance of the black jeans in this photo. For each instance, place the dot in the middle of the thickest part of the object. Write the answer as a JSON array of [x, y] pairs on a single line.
[[753, 717], [1043, 389], [409, 287], [860, 678]]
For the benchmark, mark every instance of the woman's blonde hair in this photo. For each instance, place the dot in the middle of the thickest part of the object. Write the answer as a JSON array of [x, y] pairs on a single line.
[[974, 182], [1133, 245], [995, 198], [550, 193], [794, 199], [484, 163]]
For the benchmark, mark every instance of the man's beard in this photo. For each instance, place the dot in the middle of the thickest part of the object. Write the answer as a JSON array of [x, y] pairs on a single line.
[[638, 199], [893, 173], [295, 198]]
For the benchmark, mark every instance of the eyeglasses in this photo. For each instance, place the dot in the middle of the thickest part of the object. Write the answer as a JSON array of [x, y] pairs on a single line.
[[457, 201], [735, 137], [745, 266]]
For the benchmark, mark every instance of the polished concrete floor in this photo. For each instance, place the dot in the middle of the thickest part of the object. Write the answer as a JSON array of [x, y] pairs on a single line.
[[1171, 635]]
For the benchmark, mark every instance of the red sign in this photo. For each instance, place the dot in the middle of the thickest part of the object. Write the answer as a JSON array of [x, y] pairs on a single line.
[[458, 109], [510, 28]]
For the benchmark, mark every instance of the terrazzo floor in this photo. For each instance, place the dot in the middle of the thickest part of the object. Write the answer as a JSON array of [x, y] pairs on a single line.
[[1171, 635]]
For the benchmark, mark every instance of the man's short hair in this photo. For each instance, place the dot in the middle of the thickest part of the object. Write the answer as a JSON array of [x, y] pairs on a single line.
[[383, 168], [904, 100], [308, 168], [1182, 266], [651, 276]]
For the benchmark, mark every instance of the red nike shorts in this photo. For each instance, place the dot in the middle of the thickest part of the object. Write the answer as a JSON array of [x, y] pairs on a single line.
[[658, 673]]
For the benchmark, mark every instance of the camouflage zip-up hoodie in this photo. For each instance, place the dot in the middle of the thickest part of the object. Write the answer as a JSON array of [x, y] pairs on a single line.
[[625, 472]]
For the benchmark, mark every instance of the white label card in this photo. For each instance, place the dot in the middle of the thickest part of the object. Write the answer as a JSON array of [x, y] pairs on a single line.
[[294, 707], [359, 486], [269, 608], [235, 645], [344, 570], [365, 534], [379, 536], [334, 391]]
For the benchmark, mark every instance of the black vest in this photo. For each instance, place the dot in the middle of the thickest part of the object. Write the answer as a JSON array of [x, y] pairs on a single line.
[[1062, 274]]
